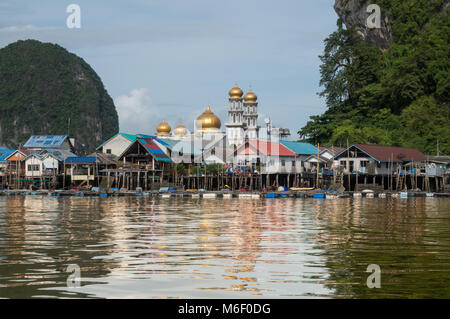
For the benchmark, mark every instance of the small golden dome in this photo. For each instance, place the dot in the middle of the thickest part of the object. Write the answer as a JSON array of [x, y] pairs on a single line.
[[180, 130], [163, 128], [236, 92], [208, 120], [250, 96]]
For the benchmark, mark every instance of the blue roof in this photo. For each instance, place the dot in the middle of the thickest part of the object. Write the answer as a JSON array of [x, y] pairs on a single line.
[[154, 149], [146, 136], [45, 141], [4, 153], [80, 160], [300, 148]]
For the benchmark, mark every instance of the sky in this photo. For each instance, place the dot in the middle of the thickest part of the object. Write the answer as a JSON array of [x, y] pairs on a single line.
[[170, 59]]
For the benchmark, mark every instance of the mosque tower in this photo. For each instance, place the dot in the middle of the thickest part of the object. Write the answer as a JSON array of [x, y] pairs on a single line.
[[250, 115], [235, 125]]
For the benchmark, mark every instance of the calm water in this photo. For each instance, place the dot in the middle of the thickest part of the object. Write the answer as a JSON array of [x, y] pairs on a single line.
[[167, 248]]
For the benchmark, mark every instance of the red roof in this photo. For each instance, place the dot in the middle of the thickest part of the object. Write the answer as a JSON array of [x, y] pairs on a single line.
[[388, 153], [266, 148]]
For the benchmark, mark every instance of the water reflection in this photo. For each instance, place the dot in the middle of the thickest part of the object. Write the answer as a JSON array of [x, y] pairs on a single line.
[[230, 248]]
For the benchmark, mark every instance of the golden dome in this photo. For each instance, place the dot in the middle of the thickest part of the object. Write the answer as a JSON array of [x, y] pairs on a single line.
[[236, 92], [208, 120], [163, 128], [180, 130], [250, 96]]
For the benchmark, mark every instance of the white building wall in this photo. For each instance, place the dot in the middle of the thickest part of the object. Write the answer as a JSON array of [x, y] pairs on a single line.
[[117, 145], [50, 162], [272, 164], [383, 168], [33, 161]]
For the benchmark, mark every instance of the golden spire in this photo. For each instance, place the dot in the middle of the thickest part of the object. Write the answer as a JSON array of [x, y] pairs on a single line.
[[250, 96], [235, 92], [180, 130], [163, 128], [208, 120]]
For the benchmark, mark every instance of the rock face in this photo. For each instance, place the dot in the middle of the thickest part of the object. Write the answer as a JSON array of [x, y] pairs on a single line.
[[354, 13], [45, 90]]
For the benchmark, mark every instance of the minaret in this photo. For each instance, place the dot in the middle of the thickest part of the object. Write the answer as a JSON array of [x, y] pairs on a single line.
[[235, 125], [251, 115]]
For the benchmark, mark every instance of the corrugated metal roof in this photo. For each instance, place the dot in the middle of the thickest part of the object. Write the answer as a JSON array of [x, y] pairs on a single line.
[[332, 149], [59, 154], [146, 136], [80, 160], [268, 148], [388, 153], [105, 159], [32, 154], [300, 148], [154, 149], [23, 152], [4, 153], [130, 137], [45, 141]]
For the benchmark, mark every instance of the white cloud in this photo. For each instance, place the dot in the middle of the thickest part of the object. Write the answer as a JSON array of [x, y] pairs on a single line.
[[136, 113]]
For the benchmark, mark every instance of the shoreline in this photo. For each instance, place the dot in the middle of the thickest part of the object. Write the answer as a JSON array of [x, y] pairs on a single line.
[[223, 194]]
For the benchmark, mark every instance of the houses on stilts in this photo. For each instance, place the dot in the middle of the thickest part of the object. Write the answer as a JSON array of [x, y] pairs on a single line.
[[151, 162], [245, 157]]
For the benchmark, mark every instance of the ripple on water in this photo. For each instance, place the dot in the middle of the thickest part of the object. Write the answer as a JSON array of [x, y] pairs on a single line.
[[290, 248]]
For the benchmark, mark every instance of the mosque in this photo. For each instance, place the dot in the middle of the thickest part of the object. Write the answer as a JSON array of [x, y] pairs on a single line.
[[242, 122]]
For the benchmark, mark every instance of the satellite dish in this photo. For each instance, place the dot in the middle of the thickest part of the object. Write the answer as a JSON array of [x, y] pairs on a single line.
[[267, 121]]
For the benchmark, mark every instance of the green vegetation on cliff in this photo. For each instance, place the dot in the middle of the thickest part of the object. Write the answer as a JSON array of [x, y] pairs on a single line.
[[42, 85], [396, 97]]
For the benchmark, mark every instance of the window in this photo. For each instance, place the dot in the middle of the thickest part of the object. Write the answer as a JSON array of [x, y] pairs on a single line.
[[344, 164], [33, 167], [364, 163], [108, 151], [387, 165], [213, 151], [283, 163], [293, 163]]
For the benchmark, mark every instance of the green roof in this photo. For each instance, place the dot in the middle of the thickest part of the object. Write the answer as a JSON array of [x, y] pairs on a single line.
[[300, 148]]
